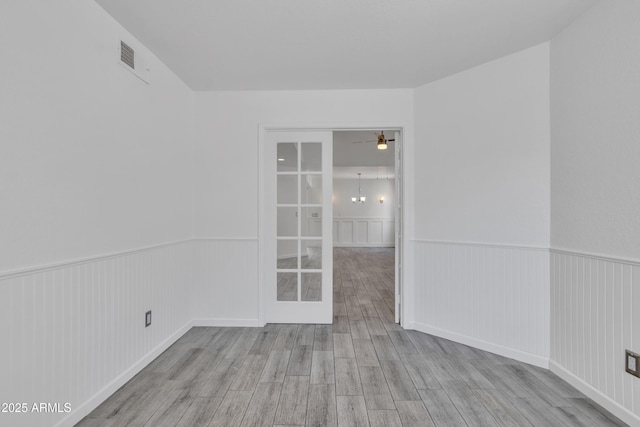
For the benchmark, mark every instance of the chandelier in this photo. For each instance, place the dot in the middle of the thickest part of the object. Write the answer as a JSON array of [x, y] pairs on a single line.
[[360, 199]]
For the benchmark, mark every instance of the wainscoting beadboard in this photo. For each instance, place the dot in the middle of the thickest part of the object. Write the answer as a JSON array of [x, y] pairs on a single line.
[[492, 297], [363, 232], [74, 332], [595, 316], [226, 282]]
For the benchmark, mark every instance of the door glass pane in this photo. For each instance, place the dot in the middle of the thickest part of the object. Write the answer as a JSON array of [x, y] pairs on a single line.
[[287, 189], [311, 156], [311, 287], [287, 222], [287, 157], [311, 222], [299, 229], [287, 254], [311, 189], [311, 254], [287, 286]]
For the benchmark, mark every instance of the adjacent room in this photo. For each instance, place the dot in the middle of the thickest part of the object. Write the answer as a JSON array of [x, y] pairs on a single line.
[[239, 213]]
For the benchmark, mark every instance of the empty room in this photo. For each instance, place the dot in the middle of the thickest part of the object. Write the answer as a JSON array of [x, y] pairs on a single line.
[[306, 213]]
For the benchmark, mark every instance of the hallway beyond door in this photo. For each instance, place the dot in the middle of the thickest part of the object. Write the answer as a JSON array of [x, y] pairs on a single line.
[[363, 287]]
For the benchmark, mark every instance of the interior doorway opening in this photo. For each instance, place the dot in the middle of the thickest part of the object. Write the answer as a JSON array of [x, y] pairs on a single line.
[[275, 245], [366, 223]]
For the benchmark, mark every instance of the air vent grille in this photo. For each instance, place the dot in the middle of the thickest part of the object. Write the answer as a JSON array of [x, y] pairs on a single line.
[[127, 55]]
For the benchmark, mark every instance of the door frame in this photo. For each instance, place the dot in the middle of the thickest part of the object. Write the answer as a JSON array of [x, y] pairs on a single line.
[[263, 128]]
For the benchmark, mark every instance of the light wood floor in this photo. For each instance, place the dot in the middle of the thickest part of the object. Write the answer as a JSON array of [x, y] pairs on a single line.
[[362, 370]]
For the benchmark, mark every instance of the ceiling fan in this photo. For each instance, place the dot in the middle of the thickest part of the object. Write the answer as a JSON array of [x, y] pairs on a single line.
[[382, 141]]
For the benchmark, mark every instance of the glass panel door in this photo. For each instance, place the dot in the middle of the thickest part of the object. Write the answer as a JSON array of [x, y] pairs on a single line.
[[299, 245]]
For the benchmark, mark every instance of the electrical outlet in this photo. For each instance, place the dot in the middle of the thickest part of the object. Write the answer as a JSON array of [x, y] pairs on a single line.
[[633, 363], [147, 319]]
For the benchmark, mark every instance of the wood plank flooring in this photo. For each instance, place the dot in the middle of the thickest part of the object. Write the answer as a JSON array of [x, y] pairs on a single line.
[[364, 370]]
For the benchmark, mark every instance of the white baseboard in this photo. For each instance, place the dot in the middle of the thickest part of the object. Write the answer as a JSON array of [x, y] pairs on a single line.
[[227, 322], [511, 353], [94, 401], [606, 402]]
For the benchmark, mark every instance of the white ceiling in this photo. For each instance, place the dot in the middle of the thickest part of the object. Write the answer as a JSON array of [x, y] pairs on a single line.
[[350, 150], [335, 44]]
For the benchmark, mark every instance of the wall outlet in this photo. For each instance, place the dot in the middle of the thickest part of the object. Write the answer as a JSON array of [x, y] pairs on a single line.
[[632, 363], [147, 318]]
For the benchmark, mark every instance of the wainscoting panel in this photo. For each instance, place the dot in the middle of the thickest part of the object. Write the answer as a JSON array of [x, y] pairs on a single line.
[[364, 232], [75, 332], [492, 297], [226, 282], [595, 316]]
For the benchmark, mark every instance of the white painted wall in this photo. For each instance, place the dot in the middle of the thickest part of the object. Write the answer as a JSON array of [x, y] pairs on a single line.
[[345, 189], [94, 162], [482, 146], [226, 138], [371, 224], [595, 131], [595, 203], [226, 134], [482, 206]]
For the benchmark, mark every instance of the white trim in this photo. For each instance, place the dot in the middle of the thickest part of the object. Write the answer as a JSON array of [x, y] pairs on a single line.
[[605, 401], [483, 245], [511, 353], [85, 260], [97, 399], [609, 258], [213, 322], [262, 133]]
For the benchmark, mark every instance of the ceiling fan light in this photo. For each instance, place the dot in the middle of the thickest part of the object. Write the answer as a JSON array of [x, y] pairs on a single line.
[[382, 145]]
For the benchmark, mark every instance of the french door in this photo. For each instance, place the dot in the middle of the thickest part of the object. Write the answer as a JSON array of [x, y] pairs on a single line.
[[298, 227]]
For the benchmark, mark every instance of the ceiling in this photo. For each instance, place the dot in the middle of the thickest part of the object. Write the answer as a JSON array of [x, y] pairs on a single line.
[[349, 150], [335, 44]]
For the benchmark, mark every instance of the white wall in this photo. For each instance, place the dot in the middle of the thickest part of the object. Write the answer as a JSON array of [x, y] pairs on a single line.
[[226, 138], [595, 131], [371, 224], [226, 134], [595, 203], [344, 189], [482, 204], [482, 146], [94, 162]]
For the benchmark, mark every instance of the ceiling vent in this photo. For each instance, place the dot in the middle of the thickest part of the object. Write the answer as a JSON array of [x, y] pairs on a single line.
[[132, 58], [127, 55]]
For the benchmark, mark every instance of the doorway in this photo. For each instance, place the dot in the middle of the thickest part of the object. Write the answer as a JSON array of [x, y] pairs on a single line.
[[287, 258], [365, 207]]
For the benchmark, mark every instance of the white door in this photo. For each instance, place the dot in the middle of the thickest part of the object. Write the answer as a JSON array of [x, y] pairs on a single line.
[[298, 220]]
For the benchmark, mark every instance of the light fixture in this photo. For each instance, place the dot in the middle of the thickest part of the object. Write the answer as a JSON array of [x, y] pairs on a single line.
[[382, 141], [381, 199], [360, 199], [281, 160]]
